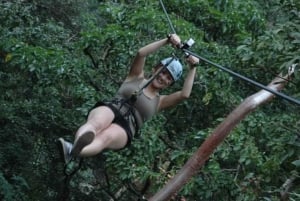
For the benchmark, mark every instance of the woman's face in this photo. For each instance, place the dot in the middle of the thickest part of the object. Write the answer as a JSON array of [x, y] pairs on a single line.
[[163, 79]]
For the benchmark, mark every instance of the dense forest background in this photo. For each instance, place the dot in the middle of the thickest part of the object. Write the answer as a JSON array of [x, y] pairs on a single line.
[[49, 82]]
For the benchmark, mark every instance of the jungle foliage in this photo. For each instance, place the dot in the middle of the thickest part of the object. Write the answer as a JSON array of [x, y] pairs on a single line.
[[49, 82]]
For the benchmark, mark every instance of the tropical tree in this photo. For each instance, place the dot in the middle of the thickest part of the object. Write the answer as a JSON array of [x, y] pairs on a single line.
[[58, 58]]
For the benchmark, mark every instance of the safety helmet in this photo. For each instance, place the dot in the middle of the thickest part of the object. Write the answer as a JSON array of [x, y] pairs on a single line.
[[174, 67]]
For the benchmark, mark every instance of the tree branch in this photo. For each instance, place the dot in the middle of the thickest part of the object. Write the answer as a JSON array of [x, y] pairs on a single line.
[[216, 138]]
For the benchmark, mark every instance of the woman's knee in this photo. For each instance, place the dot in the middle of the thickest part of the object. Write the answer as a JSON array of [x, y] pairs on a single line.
[[115, 138], [101, 112], [100, 118]]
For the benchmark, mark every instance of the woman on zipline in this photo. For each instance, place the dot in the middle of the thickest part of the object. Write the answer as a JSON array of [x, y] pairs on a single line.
[[113, 124]]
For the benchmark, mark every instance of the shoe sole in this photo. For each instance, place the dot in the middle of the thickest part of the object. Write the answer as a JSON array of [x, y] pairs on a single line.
[[83, 140]]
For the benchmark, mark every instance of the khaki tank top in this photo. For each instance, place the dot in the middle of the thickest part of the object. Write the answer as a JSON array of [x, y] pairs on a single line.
[[144, 107]]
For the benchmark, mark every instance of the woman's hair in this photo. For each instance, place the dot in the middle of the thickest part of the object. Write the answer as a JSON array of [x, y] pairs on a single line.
[[156, 67], [173, 66]]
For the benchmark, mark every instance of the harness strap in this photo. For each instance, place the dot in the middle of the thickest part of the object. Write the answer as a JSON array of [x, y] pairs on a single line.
[[127, 111]]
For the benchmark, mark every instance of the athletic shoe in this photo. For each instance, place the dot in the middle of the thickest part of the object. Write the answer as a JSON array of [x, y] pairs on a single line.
[[84, 140], [66, 148]]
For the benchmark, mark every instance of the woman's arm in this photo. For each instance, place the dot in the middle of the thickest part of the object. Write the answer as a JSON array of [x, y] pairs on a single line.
[[176, 97], [137, 66]]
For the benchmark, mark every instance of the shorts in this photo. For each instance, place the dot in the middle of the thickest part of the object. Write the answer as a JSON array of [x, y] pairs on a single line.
[[124, 117]]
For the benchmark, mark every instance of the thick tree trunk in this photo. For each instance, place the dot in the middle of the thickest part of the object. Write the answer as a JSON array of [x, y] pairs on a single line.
[[210, 144]]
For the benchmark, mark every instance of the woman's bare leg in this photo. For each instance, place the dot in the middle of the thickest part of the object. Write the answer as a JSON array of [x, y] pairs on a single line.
[[113, 137], [98, 119]]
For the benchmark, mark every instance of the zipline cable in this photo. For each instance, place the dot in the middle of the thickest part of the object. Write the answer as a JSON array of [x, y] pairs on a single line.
[[169, 21], [293, 100], [286, 97]]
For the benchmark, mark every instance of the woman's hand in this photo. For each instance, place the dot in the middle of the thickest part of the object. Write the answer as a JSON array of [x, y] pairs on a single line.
[[192, 60], [174, 39]]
